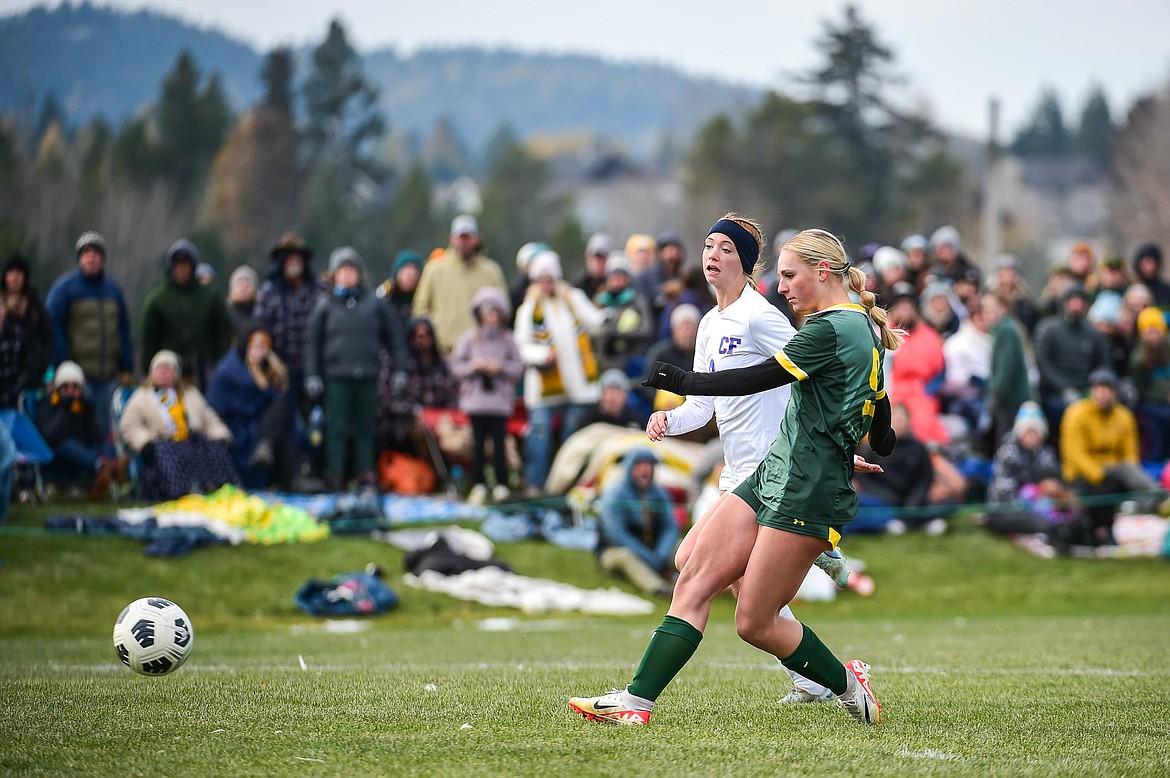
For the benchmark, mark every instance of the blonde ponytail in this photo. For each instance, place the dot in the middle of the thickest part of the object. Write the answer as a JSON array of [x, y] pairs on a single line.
[[877, 314]]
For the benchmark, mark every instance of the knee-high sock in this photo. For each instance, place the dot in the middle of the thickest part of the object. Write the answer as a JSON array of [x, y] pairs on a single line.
[[670, 648], [814, 660], [798, 680]]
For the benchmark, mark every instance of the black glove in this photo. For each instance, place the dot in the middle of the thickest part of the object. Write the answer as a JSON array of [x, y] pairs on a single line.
[[147, 453], [664, 375]]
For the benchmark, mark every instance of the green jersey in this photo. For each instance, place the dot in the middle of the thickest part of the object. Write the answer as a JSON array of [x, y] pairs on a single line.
[[807, 475]]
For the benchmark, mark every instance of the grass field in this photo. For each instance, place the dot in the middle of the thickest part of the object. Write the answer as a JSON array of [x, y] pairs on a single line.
[[987, 661]]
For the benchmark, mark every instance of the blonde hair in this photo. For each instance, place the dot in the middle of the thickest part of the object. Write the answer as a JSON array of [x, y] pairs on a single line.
[[757, 232], [815, 246]]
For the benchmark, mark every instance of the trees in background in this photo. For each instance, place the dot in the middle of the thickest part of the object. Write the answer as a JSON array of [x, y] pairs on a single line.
[[1141, 174]]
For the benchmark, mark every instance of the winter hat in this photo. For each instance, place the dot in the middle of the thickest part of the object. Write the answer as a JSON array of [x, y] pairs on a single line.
[[291, 243], [1103, 376], [684, 312], [619, 262], [615, 377], [1006, 261], [1075, 290], [346, 255], [1030, 417], [404, 258], [639, 241], [526, 253], [205, 270], [1106, 308], [1152, 318], [545, 264], [243, 273], [464, 224], [902, 291], [491, 297], [69, 372], [669, 239], [887, 258], [91, 239], [1147, 250], [945, 236], [914, 241], [599, 243], [180, 249], [167, 357]]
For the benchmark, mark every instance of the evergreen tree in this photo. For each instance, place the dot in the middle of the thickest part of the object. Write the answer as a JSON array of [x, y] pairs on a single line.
[[191, 126], [1045, 133], [277, 74], [409, 222], [517, 206], [343, 119], [1096, 128]]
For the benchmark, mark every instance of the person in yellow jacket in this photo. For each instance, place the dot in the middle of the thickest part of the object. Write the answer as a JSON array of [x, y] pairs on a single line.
[[1099, 453]]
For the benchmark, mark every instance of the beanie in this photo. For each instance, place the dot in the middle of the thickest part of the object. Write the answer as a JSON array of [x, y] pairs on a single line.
[[242, 273], [69, 372], [91, 239], [167, 357], [546, 264], [1152, 318], [346, 255], [1030, 417]]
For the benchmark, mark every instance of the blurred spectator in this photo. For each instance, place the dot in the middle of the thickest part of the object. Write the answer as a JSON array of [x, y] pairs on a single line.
[[284, 304], [1082, 263], [185, 317], [664, 280], [447, 285], [205, 274], [1136, 299], [1099, 453], [183, 443], [950, 264], [890, 264], [641, 251], [1011, 286], [397, 291], [241, 301], [347, 333], [689, 289], [91, 325], [917, 367], [1147, 266], [592, 277], [553, 328], [638, 530], [1150, 371], [8, 455], [1026, 492], [429, 384], [914, 246], [678, 350], [1105, 317], [1007, 379], [520, 283], [250, 392], [1067, 351], [896, 500], [940, 307], [487, 365], [614, 406], [1112, 276], [967, 356], [629, 325], [1060, 280], [26, 333], [67, 420]]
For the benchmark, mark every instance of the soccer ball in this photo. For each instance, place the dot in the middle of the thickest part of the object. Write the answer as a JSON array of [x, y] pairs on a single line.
[[153, 636]]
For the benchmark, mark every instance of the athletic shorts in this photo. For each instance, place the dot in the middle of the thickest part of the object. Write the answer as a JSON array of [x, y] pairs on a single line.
[[766, 516]]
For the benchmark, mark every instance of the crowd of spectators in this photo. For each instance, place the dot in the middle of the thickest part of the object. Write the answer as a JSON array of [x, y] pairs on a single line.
[[299, 378]]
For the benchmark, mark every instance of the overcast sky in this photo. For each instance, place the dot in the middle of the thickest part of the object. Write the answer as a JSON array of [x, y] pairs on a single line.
[[955, 54]]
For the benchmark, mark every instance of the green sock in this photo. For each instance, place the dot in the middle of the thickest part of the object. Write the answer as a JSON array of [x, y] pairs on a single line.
[[671, 647], [816, 662]]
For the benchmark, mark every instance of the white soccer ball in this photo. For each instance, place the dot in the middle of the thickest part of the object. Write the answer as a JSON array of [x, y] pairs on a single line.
[[153, 636]]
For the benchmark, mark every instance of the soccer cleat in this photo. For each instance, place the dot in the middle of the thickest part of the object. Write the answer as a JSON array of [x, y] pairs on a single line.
[[858, 698], [609, 708], [833, 563], [798, 696]]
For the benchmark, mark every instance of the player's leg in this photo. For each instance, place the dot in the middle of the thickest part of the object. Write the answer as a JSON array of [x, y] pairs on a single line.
[[775, 570], [718, 558]]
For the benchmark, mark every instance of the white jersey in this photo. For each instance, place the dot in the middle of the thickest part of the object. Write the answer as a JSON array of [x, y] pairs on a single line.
[[745, 333]]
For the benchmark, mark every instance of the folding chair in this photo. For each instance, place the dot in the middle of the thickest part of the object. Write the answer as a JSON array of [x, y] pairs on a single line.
[[31, 450]]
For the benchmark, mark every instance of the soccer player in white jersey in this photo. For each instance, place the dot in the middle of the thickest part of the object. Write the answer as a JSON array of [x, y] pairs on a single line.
[[743, 329]]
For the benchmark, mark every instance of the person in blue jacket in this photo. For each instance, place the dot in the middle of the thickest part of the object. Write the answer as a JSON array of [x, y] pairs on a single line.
[[638, 530]]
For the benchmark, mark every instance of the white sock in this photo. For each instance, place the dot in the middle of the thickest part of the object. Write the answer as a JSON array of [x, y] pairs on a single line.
[[634, 701]]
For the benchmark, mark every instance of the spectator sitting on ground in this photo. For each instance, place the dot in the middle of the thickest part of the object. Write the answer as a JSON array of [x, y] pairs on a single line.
[[67, 421], [183, 443], [614, 405], [241, 301], [638, 530], [1026, 493], [904, 484], [250, 392], [1099, 453]]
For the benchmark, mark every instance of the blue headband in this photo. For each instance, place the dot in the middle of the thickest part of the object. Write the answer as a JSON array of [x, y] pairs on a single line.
[[747, 246]]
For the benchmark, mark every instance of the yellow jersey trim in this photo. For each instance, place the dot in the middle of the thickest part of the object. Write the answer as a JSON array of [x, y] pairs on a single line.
[[790, 366]]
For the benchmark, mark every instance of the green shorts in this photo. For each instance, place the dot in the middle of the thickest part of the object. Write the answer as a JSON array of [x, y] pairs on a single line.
[[766, 516]]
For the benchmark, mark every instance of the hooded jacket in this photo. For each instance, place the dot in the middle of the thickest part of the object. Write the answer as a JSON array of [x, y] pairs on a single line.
[[641, 521], [481, 394]]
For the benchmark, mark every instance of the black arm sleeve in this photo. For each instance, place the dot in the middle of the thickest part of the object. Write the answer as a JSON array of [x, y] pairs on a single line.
[[881, 435], [742, 381]]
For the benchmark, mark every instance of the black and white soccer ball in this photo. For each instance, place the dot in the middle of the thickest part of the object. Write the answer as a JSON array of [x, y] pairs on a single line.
[[153, 636]]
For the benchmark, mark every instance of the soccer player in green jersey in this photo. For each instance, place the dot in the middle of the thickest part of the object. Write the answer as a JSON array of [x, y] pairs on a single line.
[[772, 526]]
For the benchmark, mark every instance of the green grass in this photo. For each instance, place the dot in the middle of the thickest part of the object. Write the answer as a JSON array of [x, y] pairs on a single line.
[[987, 662]]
